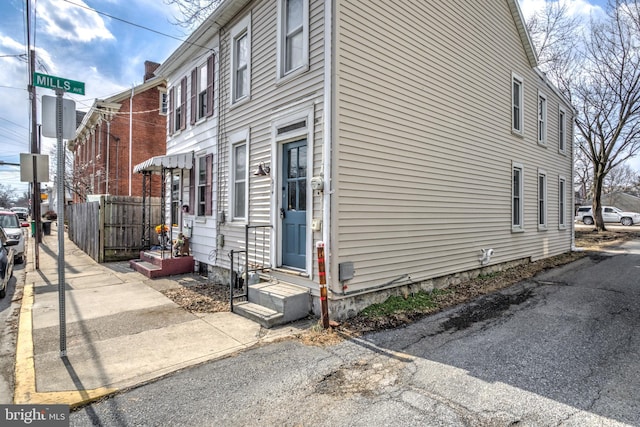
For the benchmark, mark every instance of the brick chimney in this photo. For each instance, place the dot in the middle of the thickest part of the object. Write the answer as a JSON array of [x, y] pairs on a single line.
[[149, 68]]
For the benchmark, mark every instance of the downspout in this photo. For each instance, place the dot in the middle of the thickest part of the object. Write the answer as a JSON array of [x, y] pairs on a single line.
[[327, 133], [108, 155], [130, 137]]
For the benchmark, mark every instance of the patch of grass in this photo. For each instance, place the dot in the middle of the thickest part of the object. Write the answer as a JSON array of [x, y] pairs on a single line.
[[488, 276], [400, 304]]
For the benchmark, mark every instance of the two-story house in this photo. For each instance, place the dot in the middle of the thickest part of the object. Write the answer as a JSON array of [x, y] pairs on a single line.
[[117, 133], [416, 141]]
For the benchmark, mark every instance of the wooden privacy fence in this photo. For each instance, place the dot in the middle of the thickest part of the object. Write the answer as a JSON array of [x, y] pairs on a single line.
[[111, 229]]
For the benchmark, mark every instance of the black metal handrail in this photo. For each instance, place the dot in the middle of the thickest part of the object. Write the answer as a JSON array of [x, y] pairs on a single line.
[[256, 258]]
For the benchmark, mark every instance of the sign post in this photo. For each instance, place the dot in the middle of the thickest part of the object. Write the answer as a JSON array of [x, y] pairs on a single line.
[[60, 86]]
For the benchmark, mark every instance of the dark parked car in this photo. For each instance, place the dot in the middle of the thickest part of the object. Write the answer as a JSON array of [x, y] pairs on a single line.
[[6, 261]]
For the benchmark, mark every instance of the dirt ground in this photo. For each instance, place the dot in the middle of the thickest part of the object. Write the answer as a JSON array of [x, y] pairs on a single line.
[[211, 297]]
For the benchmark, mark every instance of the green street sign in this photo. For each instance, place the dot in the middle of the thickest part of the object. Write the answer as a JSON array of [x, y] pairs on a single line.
[[53, 82]]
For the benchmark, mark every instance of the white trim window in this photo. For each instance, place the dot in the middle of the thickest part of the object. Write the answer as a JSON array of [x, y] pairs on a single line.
[[517, 197], [241, 60], [562, 202], [517, 104], [562, 130], [164, 102], [542, 119], [293, 36], [542, 199], [239, 179], [205, 178], [202, 74]]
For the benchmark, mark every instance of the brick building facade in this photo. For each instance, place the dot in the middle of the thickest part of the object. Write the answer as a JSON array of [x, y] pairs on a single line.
[[116, 134]]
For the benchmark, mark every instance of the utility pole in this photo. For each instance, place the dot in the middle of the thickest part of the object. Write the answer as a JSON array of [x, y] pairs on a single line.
[[35, 148]]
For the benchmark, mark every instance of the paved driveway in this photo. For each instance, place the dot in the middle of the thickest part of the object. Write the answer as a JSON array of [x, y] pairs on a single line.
[[562, 349]]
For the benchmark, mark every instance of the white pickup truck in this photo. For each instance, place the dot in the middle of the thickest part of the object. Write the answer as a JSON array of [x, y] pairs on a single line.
[[609, 214]]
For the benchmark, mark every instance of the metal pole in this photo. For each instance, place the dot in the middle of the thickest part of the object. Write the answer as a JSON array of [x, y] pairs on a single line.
[[35, 149], [60, 199], [322, 275]]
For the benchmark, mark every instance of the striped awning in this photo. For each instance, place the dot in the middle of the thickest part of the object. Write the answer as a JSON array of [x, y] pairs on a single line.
[[170, 161]]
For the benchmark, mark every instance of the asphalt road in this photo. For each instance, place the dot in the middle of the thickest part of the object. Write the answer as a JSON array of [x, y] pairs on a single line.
[[562, 349], [9, 310]]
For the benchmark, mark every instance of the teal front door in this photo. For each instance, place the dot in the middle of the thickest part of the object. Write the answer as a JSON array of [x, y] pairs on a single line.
[[294, 204]]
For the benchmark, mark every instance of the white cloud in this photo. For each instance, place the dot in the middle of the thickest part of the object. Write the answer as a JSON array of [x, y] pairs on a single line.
[[70, 22]]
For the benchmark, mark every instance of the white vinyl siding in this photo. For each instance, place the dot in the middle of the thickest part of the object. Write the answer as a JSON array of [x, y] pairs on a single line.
[[517, 104], [542, 200], [271, 98], [542, 119]]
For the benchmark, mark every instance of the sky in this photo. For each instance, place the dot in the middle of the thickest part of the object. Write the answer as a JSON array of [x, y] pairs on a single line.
[[75, 42]]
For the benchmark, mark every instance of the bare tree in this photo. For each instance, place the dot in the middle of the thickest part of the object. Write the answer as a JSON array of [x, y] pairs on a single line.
[[621, 178], [582, 175], [192, 12], [555, 33], [607, 96], [76, 180], [7, 196]]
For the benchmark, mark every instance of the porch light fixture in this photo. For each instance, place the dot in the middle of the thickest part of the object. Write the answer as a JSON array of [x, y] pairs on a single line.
[[263, 170]]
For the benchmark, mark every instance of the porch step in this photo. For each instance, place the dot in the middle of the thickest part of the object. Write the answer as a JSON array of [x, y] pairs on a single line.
[[153, 264], [263, 315], [279, 303], [148, 269]]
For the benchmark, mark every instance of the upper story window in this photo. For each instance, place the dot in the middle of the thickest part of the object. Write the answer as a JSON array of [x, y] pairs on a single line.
[[542, 119], [517, 104], [177, 106], [202, 84], [164, 103], [178, 110], [562, 131], [202, 91], [293, 36], [241, 60]]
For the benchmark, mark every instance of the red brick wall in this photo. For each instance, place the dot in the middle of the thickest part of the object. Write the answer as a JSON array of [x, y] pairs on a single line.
[[148, 140]]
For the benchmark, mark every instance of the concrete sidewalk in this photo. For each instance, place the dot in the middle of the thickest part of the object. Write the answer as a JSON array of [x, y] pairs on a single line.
[[121, 331]]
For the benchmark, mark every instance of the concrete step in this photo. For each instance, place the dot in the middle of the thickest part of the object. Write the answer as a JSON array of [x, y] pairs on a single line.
[[263, 315], [293, 301]]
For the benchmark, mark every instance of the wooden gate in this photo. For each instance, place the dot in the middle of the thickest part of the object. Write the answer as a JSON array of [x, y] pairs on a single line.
[[111, 229]]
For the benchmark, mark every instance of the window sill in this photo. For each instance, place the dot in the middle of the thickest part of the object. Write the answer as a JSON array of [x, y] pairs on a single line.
[[240, 102], [517, 230], [519, 134], [542, 228], [542, 144], [283, 79]]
